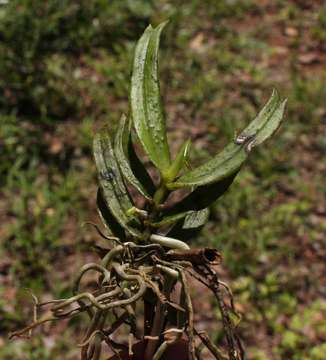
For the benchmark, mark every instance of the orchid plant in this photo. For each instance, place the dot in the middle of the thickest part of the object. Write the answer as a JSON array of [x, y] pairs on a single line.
[[148, 250]]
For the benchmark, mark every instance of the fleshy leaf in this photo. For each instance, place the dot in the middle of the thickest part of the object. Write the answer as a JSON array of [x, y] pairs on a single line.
[[121, 149], [192, 219], [202, 196], [235, 153], [170, 219], [271, 127], [178, 162], [262, 117], [146, 108], [196, 219], [108, 220], [218, 168], [114, 191], [190, 227], [140, 171]]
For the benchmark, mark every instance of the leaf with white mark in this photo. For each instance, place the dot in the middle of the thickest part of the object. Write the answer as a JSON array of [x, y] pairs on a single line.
[[261, 119], [235, 153]]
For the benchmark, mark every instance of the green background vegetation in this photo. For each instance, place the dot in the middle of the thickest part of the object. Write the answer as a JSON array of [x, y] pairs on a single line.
[[65, 71]]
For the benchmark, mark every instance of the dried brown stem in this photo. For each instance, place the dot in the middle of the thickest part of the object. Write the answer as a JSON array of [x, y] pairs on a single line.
[[234, 346], [201, 256], [210, 346]]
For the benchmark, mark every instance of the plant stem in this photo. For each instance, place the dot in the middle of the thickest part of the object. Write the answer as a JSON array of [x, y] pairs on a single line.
[[160, 195], [157, 323]]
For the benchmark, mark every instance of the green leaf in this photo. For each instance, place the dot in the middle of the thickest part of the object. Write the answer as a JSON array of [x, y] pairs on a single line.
[[140, 171], [145, 98], [202, 196], [108, 220], [196, 219], [218, 168], [230, 159], [262, 118], [178, 162], [192, 219], [271, 126], [190, 227], [170, 219], [121, 150], [114, 191]]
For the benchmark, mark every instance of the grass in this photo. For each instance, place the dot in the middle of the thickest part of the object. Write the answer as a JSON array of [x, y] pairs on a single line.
[[70, 74]]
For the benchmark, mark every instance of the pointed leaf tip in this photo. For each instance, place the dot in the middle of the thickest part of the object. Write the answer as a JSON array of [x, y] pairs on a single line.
[[178, 162], [230, 159], [272, 125]]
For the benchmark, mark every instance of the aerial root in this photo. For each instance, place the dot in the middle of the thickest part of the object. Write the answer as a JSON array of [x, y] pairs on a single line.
[[123, 276], [235, 349], [162, 348], [100, 232], [190, 312], [32, 326]]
